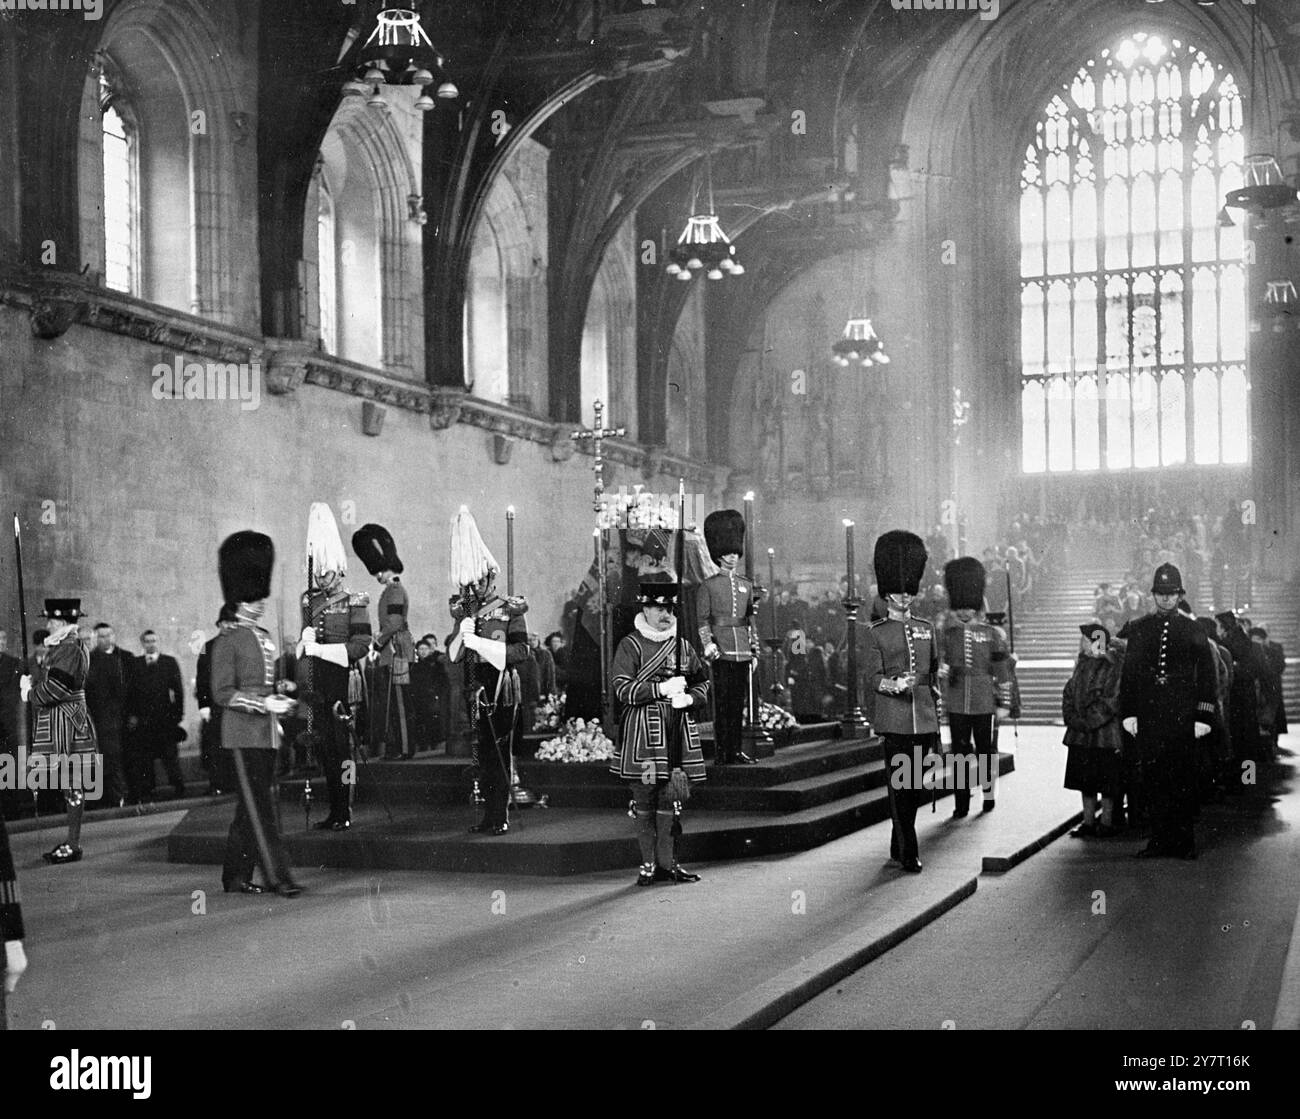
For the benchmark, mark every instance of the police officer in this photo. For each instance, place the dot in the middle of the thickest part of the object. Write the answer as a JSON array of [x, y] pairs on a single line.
[[1167, 701], [976, 669], [901, 666]]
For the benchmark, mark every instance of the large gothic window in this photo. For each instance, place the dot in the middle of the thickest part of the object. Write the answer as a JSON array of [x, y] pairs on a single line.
[[121, 258], [1133, 318]]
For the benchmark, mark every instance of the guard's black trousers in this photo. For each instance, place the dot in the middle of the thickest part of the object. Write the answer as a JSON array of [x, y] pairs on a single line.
[[389, 720], [906, 794], [730, 694], [496, 732], [333, 751], [979, 728], [1169, 790], [254, 838]]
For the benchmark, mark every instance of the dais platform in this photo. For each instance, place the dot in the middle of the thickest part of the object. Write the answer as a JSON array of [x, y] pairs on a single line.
[[817, 787]]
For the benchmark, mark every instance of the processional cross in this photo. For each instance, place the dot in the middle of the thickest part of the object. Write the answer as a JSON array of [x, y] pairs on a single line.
[[597, 434]]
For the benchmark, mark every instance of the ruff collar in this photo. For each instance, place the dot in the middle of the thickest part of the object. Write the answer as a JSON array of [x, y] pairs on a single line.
[[643, 628]]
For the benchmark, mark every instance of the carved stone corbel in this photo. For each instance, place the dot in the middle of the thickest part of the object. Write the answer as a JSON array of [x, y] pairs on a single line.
[[51, 316], [285, 371], [561, 443], [502, 448], [444, 412]]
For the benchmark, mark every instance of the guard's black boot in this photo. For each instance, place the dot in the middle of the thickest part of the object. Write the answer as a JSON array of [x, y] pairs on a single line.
[[647, 875]]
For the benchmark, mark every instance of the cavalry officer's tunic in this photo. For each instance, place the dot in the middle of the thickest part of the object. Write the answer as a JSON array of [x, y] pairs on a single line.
[[243, 675], [62, 724], [1167, 685], [724, 606], [655, 738], [979, 682], [338, 618], [909, 723], [492, 698], [396, 651]]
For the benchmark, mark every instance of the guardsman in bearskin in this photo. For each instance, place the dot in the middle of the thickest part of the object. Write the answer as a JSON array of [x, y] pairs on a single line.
[[1167, 701], [659, 683], [62, 725], [244, 685], [975, 666], [901, 667], [335, 637], [492, 637], [393, 642], [724, 610]]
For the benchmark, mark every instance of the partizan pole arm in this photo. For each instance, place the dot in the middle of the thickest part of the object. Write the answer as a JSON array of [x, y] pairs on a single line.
[[680, 563], [22, 597], [1011, 615]]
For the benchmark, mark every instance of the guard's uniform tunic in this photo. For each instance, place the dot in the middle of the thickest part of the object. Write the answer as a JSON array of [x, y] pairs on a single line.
[[338, 618], [724, 606], [909, 723], [979, 682], [396, 651], [1168, 684]]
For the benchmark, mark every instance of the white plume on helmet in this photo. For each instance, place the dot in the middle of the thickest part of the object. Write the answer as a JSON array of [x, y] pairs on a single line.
[[324, 544], [470, 558]]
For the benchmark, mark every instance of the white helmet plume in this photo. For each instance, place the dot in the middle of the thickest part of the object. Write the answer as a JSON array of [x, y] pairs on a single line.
[[470, 558], [324, 545]]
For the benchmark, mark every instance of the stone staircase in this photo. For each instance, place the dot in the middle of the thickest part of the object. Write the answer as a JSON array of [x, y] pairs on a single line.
[[1047, 637]]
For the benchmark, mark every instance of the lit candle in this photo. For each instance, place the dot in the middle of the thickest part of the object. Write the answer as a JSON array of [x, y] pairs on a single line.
[[771, 587], [510, 549], [749, 536], [848, 543]]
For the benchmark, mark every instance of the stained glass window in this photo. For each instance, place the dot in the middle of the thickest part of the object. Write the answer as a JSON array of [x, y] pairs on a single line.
[[1133, 317]]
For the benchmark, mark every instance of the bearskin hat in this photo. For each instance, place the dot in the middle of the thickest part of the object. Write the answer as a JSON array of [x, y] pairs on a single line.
[[244, 563], [374, 547], [964, 579], [899, 562], [724, 533]]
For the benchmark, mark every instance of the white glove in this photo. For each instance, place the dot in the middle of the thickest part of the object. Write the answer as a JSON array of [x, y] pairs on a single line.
[[682, 700], [24, 687], [1004, 712], [676, 685], [711, 651], [1200, 729], [1131, 725], [308, 636], [279, 704], [373, 655], [205, 714], [943, 672], [467, 627], [15, 964]]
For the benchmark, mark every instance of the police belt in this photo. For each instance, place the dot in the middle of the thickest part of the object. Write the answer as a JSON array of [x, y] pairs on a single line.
[[1163, 678]]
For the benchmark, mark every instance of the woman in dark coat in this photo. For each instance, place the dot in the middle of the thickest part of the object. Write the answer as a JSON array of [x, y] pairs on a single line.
[[1090, 707]]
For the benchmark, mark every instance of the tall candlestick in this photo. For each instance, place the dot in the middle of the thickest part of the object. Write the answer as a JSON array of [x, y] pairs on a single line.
[[771, 590], [848, 542], [510, 549], [749, 536]]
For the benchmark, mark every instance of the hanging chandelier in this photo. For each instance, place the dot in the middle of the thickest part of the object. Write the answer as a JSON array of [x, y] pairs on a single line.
[[1265, 188], [1281, 304], [860, 343], [399, 52], [703, 247]]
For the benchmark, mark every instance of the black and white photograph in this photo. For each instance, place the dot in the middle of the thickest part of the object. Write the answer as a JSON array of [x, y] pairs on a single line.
[[606, 515]]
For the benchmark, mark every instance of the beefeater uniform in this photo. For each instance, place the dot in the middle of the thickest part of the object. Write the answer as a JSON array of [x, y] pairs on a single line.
[[724, 609], [659, 745], [243, 677], [1168, 685], [393, 642], [908, 722], [976, 663]]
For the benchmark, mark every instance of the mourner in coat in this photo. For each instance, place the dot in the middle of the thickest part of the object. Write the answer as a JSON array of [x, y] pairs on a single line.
[[1090, 708], [157, 707], [244, 684], [108, 693], [215, 760], [62, 724], [658, 684], [1167, 702], [901, 666]]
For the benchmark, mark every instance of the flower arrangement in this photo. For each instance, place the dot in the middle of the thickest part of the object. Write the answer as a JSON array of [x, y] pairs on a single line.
[[581, 741], [549, 713], [771, 717]]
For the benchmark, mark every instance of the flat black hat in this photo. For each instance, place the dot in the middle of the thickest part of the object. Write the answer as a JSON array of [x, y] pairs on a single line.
[[1228, 618], [1091, 629], [244, 564], [899, 562], [63, 609], [1168, 580], [964, 579], [374, 547], [657, 594], [724, 533]]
